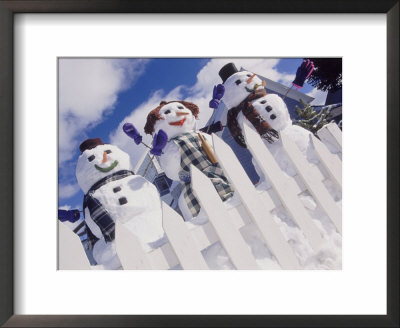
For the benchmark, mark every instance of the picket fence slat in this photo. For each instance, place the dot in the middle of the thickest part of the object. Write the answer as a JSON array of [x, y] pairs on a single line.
[[231, 239], [129, 250], [314, 185], [286, 194], [170, 255], [71, 255], [239, 216], [331, 163], [158, 260], [180, 239], [299, 184], [331, 135], [204, 235], [266, 199], [255, 207], [336, 133]]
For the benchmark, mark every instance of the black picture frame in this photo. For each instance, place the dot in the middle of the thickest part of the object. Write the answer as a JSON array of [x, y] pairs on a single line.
[[10, 7]]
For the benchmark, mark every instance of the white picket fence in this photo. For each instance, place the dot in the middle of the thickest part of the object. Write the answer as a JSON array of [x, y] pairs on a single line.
[[183, 249]]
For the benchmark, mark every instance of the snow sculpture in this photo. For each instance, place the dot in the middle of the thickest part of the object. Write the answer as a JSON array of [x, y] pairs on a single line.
[[113, 192], [179, 145], [248, 103]]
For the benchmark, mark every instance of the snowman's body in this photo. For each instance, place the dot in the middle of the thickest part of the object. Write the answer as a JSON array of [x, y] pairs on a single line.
[[177, 120], [131, 199], [273, 110]]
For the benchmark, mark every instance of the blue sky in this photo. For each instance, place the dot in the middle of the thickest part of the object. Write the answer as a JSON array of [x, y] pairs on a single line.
[[97, 96]]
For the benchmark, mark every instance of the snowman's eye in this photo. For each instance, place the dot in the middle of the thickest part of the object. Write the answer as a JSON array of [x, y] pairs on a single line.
[[263, 102], [91, 158], [249, 75], [108, 151], [180, 107], [167, 111], [238, 82]]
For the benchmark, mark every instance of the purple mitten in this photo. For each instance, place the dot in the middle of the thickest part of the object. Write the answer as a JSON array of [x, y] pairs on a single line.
[[218, 93], [159, 142], [71, 216], [214, 103], [131, 131], [303, 72]]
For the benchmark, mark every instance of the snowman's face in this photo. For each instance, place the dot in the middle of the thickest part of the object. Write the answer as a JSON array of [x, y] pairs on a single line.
[[96, 163], [175, 120], [273, 109], [238, 86]]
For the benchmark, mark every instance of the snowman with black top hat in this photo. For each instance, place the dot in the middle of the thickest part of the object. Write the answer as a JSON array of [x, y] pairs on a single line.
[[248, 103]]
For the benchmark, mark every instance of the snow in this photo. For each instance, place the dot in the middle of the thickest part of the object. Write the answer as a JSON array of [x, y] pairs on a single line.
[[174, 112], [329, 256], [86, 173], [140, 212], [237, 88]]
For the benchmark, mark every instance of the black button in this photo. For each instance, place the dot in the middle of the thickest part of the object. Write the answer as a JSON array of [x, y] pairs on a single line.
[[122, 201], [268, 108], [116, 189], [273, 116]]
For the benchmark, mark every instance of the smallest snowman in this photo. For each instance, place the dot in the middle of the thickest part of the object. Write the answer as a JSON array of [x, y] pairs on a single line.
[[185, 146]]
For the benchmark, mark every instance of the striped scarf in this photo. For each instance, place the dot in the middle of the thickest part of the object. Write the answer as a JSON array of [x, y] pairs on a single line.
[[97, 211], [253, 116]]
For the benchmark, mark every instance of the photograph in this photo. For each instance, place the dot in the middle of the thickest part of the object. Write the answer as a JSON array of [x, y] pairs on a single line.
[[197, 157], [199, 163]]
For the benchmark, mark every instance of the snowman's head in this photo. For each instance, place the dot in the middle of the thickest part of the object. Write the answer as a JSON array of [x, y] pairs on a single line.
[[99, 161], [239, 85], [273, 109], [174, 117]]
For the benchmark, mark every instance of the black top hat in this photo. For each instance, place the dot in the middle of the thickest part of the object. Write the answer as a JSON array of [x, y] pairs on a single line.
[[227, 71], [90, 143]]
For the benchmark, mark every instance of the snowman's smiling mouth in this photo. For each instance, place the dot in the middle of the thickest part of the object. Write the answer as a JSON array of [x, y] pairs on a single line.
[[106, 169], [178, 123]]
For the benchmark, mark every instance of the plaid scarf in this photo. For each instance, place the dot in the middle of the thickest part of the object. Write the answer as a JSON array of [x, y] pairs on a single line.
[[192, 154], [253, 116], [97, 211], [86, 236]]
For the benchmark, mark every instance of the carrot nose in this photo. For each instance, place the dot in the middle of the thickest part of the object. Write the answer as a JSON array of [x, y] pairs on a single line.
[[181, 113], [251, 78], [104, 157]]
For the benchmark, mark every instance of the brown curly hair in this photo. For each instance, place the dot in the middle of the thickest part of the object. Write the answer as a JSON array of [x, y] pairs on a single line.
[[154, 115]]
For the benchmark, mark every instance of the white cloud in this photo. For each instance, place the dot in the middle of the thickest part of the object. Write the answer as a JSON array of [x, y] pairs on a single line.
[[67, 190], [200, 94], [318, 95], [88, 89]]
